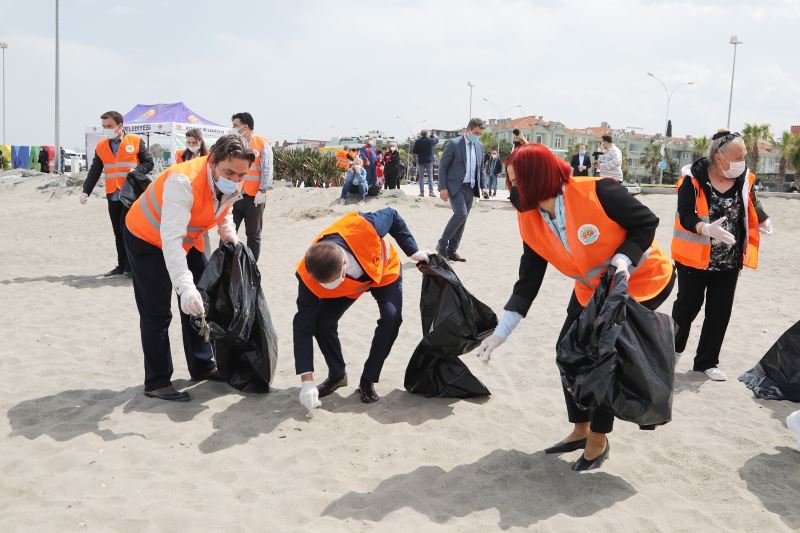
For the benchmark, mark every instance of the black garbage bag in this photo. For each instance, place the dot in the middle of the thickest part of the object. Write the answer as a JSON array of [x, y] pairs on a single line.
[[135, 184], [245, 343], [777, 375], [621, 355], [453, 323]]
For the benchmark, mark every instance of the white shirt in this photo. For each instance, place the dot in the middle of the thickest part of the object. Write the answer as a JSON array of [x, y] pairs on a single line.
[[469, 177], [353, 269], [609, 164], [176, 207]]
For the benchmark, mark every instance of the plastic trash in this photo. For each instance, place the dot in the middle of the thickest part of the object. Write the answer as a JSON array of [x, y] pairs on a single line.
[[245, 342], [453, 323], [777, 375], [621, 355]]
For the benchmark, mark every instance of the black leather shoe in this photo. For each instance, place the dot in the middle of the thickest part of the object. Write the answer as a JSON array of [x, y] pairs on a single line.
[[585, 464], [328, 386], [367, 391], [564, 447], [117, 271], [168, 393], [453, 256], [213, 375]]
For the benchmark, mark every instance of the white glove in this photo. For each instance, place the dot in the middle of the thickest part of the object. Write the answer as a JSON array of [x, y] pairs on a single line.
[[84, 198], [765, 227], [420, 256], [622, 263], [231, 238], [192, 302], [487, 347], [717, 232], [309, 396], [260, 198]]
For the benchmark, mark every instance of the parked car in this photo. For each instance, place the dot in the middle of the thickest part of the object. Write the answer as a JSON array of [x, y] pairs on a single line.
[[68, 155]]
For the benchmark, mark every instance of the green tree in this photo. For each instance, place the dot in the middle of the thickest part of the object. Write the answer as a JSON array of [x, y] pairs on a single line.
[[752, 135], [793, 157], [651, 157], [699, 147], [785, 145]]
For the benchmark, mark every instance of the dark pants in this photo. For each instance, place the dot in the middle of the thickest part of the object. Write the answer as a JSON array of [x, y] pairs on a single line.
[[492, 184], [718, 287], [461, 203], [153, 291], [392, 180], [602, 418], [117, 212], [372, 173], [253, 216], [390, 307]]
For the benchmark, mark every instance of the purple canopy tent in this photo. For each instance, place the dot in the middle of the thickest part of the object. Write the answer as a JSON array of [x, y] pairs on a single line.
[[178, 112]]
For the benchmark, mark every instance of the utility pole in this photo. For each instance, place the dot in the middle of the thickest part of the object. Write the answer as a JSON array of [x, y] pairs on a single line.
[[58, 121], [470, 85], [735, 42]]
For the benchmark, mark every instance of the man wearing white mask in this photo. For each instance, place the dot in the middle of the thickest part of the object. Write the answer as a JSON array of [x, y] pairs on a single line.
[[581, 162], [115, 156], [164, 236], [609, 163], [346, 260]]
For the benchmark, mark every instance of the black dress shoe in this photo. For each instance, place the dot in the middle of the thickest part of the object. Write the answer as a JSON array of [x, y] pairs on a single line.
[[328, 386], [168, 393], [564, 447], [213, 375], [367, 391], [117, 271], [453, 256], [585, 464]]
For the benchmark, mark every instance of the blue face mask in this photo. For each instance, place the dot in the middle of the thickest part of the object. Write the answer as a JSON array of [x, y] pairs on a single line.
[[474, 138], [226, 186]]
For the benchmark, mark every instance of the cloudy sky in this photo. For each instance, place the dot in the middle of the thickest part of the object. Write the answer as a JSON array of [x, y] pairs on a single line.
[[313, 69]]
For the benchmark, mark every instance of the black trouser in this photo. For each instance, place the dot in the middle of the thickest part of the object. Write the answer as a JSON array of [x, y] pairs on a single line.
[[390, 308], [718, 287], [117, 212], [602, 418], [153, 290], [253, 216], [392, 180]]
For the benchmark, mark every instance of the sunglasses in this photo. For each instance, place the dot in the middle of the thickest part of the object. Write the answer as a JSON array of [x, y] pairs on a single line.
[[726, 137]]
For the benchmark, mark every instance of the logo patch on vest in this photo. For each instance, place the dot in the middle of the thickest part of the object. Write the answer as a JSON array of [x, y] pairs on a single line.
[[588, 233], [129, 148]]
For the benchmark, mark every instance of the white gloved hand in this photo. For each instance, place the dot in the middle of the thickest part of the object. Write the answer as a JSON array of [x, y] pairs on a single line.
[[765, 227], [487, 347], [622, 263], [260, 198], [420, 256], [84, 198], [717, 232], [192, 302], [231, 238], [309, 396]]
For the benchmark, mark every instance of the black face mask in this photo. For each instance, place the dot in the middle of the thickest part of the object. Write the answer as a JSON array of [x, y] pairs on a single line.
[[514, 197]]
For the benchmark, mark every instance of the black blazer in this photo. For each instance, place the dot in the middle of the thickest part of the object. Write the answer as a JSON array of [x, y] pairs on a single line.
[[587, 162]]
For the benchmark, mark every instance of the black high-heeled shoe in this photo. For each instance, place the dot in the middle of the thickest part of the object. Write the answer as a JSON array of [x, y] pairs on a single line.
[[564, 447], [585, 464]]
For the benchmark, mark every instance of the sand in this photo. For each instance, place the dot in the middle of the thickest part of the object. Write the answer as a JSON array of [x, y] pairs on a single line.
[[81, 449]]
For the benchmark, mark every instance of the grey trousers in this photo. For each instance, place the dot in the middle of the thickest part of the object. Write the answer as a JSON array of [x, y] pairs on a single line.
[[421, 169], [461, 203], [253, 216]]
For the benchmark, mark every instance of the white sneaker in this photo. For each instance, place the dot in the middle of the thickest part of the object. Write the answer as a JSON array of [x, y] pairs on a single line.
[[342, 201], [793, 422], [715, 374]]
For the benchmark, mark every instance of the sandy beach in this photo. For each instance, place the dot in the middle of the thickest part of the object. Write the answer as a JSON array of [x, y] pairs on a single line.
[[81, 449]]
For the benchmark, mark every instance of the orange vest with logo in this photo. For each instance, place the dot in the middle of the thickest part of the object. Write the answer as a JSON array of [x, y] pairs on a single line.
[[144, 216], [377, 258], [593, 240], [694, 250], [116, 167], [252, 182]]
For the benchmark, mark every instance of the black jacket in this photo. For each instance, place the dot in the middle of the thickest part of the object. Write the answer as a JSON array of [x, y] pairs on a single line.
[[423, 149], [620, 207], [391, 164], [587, 162], [143, 169]]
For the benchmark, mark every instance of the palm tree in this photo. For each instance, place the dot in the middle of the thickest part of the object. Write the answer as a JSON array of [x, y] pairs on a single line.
[[699, 147], [793, 157], [752, 135], [785, 146], [651, 157]]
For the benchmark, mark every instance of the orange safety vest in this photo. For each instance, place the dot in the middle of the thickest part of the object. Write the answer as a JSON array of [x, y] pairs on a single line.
[[341, 160], [179, 156], [252, 182], [694, 250], [593, 240], [144, 216], [116, 167], [377, 257]]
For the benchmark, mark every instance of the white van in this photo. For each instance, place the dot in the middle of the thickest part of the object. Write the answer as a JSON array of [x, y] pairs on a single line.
[[68, 155]]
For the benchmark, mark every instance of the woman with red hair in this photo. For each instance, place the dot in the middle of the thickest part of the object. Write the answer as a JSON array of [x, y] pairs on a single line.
[[581, 226]]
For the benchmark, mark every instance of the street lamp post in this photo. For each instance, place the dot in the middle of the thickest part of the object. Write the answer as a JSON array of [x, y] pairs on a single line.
[[500, 116], [470, 85], [410, 137], [666, 116], [735, 42], [58, 110], [4, 46]]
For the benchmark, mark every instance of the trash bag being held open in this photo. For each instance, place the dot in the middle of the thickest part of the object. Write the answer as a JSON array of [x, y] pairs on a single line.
[[245, 343], [453, 323], [777, 375], [621, 355]]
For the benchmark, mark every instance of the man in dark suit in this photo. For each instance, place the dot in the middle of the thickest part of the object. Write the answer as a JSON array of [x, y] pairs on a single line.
[[581, 162], [460, 180]]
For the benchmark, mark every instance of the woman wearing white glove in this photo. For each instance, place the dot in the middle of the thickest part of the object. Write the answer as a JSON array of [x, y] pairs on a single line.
[[717, 232]]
